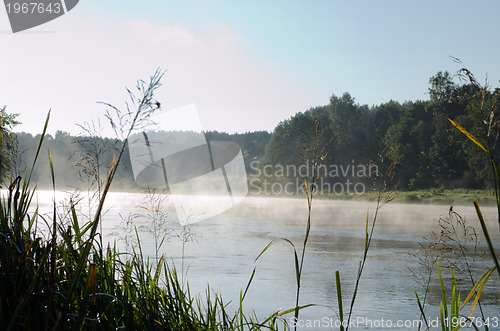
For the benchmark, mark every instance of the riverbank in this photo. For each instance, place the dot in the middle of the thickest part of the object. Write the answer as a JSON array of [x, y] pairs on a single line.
[[431, 196]]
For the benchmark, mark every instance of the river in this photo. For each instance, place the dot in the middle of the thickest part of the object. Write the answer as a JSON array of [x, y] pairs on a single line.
[[221, 253]]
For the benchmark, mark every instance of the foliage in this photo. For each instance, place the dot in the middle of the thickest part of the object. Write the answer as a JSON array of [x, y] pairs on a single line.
[[83, 161], [8, 145], [252, 143], [435, 155]]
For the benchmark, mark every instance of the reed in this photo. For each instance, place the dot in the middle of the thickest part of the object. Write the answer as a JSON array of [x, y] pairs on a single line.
[[484, 105], [57, 275], [384, 184], [313, 148]]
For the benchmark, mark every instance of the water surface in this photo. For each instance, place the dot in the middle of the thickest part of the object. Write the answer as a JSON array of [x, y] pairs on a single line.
[[226, 246]]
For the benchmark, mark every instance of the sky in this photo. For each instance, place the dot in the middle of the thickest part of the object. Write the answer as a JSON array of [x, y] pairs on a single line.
[[247, 65]]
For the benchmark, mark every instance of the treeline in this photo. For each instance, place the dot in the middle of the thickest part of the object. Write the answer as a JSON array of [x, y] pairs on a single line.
[[83, 161], [343, 134], [433, 153]]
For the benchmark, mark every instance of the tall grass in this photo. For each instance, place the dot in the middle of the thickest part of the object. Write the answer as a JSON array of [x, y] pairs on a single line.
[[484, 104], [383, 182], [129, 292], [55, 275], [313, 150], [313, 147]]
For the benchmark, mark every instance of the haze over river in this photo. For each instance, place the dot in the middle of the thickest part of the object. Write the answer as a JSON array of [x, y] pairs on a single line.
[[226, 246]]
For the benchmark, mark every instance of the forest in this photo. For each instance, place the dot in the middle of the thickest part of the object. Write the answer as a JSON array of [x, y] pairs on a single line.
[[82, 161], [431, 152]]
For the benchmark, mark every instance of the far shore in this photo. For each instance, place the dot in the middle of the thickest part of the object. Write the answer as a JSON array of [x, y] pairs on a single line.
[[430, 196]]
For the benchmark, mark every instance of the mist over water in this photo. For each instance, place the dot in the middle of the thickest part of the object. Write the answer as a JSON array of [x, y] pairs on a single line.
[[223, 254]]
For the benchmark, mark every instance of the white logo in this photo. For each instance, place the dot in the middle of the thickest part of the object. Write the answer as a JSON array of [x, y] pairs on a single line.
[[204, 178]]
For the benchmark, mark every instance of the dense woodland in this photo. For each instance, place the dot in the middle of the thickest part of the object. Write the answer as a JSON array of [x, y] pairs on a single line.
[[434, 154], [83, 161]]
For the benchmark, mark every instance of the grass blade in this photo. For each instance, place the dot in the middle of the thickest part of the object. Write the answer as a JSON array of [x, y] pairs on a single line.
[[480, 283], [339, 299], [422, 311], [444, 304], [22, 303], [487, 236], [39, 145], [469, 135]]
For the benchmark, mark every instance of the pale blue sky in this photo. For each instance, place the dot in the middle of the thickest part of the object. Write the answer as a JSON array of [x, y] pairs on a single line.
[[246, 64]]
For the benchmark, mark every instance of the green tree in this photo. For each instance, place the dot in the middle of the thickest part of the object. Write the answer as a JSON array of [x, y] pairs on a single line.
[[442, 87], [411, 137], [385, 115], [347, 123], [8, 144], [345, 117], [283, 147]]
